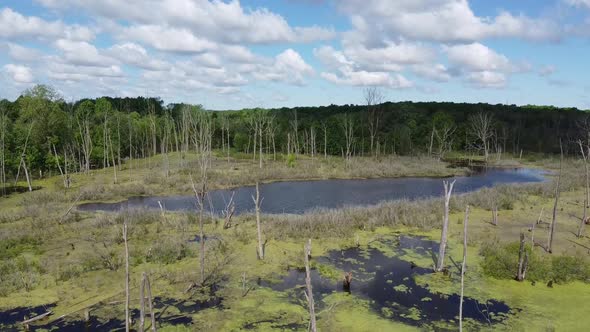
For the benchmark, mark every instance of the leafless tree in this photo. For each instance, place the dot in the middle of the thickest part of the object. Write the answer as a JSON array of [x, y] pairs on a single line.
[[347, 124], [557, 194], [257, 202], [325, 128], [127, 318], [145, 286], [229, 211], [85, 138], [444, 233], [481, 127], [523, 259], [463, 267], [3, 130], [309, 292], [295, 132], [373, 99], [444, 139], [587, 187], [202, 140]]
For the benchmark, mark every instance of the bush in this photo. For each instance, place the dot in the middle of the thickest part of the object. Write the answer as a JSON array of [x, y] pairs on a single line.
[[500, 261], [291, 160]]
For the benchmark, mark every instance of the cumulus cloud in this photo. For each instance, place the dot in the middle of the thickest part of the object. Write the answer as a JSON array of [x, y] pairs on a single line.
[[487, 79], [21, 53], [441, 20], [287, 67], [20, 74], [226, 22], [135, 55], [82, 53], [347, 72], [15, 26], [477, 57]]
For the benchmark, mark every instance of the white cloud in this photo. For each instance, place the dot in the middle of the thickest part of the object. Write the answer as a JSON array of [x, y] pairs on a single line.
[[221, 21], [82, 53], [441, 20], [166, 38], [287, 67], [435, 72], [13, 25], [477, 57], [23, 54], [20, 74], [487, 79], [134, 54]]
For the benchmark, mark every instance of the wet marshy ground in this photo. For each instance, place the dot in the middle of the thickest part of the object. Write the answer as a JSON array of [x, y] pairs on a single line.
[[168, 312], [388, 282]]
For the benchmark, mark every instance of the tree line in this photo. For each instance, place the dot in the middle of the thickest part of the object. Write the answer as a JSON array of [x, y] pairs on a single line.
[[41, 132]]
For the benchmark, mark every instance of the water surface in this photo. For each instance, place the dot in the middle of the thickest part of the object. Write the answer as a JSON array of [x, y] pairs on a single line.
[[301, 196]]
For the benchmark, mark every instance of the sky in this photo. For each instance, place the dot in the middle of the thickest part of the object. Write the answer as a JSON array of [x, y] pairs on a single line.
[[230, 54]]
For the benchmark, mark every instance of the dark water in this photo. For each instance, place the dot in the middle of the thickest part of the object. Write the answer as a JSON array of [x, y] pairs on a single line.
[[301, 196], [389, 283], [168, 312]]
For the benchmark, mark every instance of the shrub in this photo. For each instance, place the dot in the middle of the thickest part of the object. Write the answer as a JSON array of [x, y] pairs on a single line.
[[500, 261]]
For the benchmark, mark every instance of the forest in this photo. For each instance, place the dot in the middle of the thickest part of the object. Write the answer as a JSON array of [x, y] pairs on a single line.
[[42, 133]]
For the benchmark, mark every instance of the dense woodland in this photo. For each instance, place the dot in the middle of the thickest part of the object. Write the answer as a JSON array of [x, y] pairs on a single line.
[[40, 132]]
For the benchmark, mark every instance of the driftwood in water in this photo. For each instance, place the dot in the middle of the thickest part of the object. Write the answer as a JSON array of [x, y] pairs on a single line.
[[229, 211], [36, 318]]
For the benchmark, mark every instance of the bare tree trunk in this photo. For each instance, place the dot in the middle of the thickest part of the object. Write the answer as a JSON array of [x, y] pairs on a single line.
[[27, 174], [557, 193], [309, 292], [587, 199], [443, 237], [145, 285], [257, 202], [523, 258], [127, 320], [495, 215], [463, 267]]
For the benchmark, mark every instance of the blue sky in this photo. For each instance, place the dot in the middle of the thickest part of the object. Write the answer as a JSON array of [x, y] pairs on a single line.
[[274, 53]]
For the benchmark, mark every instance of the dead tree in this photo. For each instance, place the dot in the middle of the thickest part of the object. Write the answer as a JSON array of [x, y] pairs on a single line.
[[587, 187], [495, 214], [523, 259], [145, 287], [309, 293], [443, 236], [23, 161], [444, 139], [463, 267], [202, 141], [228, 212], [127, 319], [257, 202], [373, 99], [347, 124], [557, 193], [481, 127]]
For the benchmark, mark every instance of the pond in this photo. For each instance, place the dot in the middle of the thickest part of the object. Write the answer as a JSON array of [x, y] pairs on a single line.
[[388, 281], [300, 196]]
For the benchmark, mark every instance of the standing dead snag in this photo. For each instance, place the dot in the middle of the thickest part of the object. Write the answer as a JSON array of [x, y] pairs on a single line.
[[463, 267], [257, 202], [587, 198], [228, 213], [445, 228], [145, 284], [309, 293], [557, 192], [127, 321], [523, 259]]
